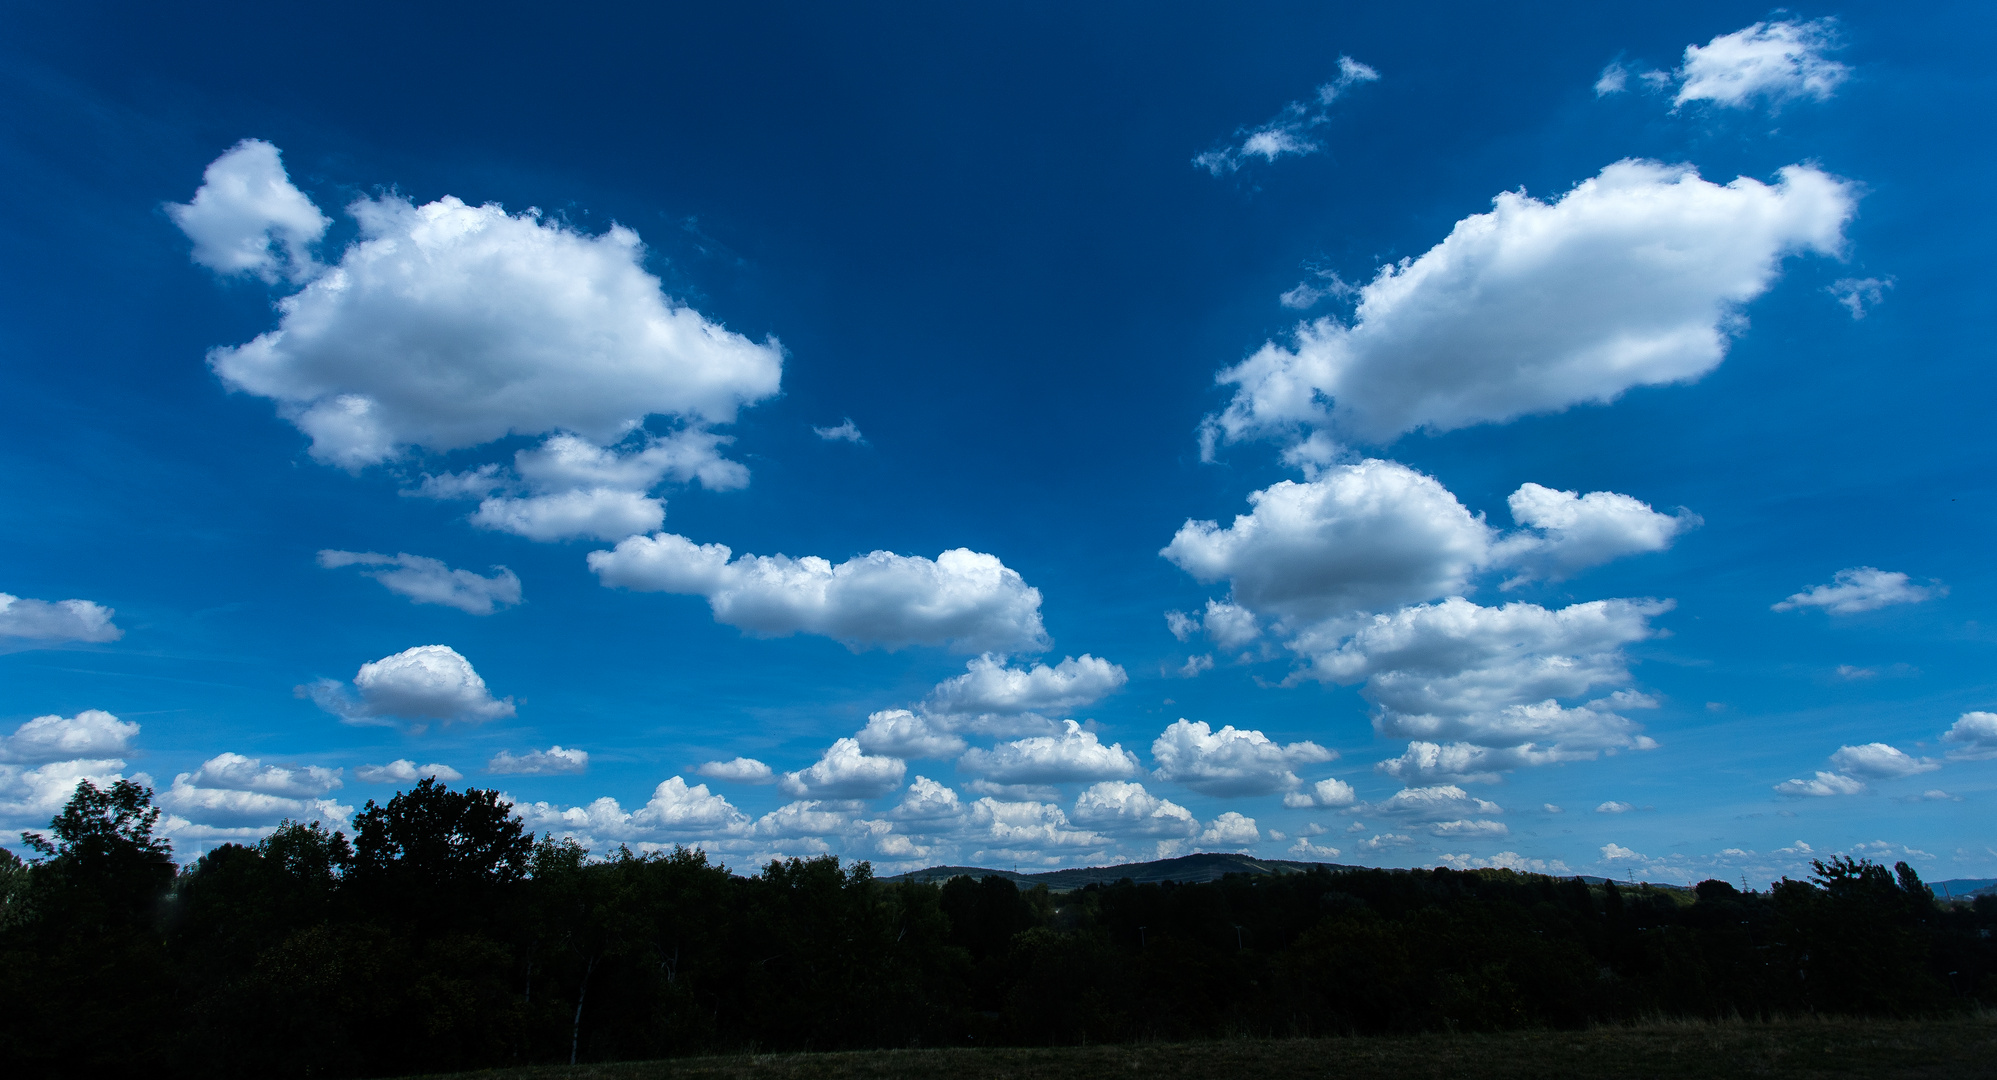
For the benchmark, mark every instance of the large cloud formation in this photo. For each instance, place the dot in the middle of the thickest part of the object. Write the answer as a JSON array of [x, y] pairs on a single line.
[[962, 599], [428, 682], [1376, 534], [231, 791], [1636, 277], [1231, 761], [447, 326]]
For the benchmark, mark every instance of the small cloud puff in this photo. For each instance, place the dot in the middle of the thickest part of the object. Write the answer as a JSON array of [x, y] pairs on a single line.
[[1288, 132], [1862, 588], [554, 761], [406, 771], [843, 432], [428, 682], [739, 770], [430, 581], [1974, 735]]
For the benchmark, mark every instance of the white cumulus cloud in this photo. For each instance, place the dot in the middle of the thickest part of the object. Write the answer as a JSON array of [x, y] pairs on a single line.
[[1768, 62], [1231, 829], [406, 771], [962, 599], [1861, 588], [54, 621], [845, 431], [554, 761], [593, 513], [446, 326], [1567, 532], [428, 682], [1823, 785], [430, 581], [1636, 277], [92, 733], [1879, 761], [1357, 537], [1123, 808], [1492, 676], [674, 812], [231, 790], [247, 218], [741, 770], [845, 771], [1072, 755], [1231, 761], [1974, 735], [1323, 795], [904, 734], [989, 686], [1441, 802]]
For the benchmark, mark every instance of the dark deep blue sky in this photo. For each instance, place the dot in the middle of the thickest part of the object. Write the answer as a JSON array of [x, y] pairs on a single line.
[[978, 234]]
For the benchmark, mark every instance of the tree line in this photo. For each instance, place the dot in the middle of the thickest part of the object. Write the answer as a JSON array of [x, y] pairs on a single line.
[[444, 936]]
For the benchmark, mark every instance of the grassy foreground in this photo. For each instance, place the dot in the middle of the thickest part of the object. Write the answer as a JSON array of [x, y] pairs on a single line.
[[1928, 1049]]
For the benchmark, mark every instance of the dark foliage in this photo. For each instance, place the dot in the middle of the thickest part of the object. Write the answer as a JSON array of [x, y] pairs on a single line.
[[445, 937]]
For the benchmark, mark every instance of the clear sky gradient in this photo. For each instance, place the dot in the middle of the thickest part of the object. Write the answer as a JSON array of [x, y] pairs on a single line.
[[1551, 437]]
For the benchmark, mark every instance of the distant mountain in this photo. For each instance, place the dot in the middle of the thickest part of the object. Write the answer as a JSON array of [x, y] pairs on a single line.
[[1208, 866], [1960, 887], [1186, 868]]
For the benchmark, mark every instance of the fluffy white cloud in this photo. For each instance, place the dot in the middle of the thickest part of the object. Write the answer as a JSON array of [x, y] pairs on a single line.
[[739, 770], [428, 682], [1231, 829], [845, 771], [1861, 588], [1825, 784], [1231, 761], [1613, 807], [963, 599], [1072, 755], [30, 797], [247, 218], [1569, 532], [234, 772], [1323, 795], [999, 828], [92, 733], [406, 771], [1771, 62], [430, 581], [1491, 675], [928, 802], [1442, 802], [903, 734], [554, 761], [1507, 860], [1125, 809], [1879, 761], [230, 790], [1358, 537], [1974, 735], [61, 620], [446, 326], [989, 686], [1305, 849], [1636, 277], [674, 812], [1469, 829], [1289, 131], [597, 514]]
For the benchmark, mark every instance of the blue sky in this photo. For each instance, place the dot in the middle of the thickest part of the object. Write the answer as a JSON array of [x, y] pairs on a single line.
[[1480, 413]]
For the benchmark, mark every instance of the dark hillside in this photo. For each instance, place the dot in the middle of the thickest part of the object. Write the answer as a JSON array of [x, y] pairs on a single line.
[[1185, 870]]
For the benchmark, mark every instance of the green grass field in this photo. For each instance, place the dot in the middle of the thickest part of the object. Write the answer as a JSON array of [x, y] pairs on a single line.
[[1928, 1049]]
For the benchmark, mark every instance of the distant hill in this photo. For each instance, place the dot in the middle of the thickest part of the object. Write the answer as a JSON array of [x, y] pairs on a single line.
[[1959, 887], [1207, 866], [1187, 868]]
